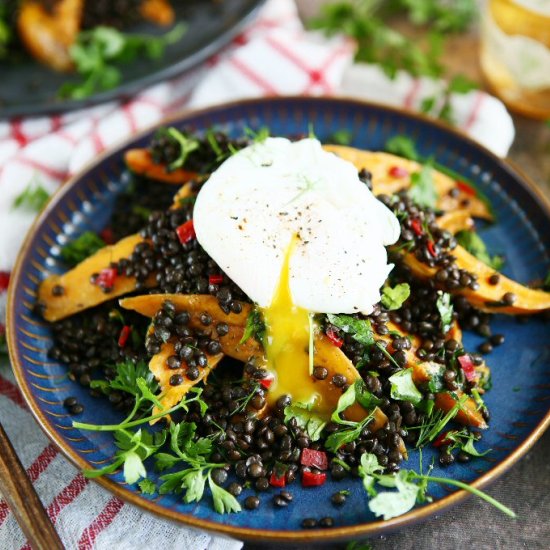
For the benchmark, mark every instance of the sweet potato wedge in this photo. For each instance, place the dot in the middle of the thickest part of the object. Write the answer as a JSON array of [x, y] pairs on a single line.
[[159, 12], [48, 36], [379, 164], [326, 354], [455, 221], [140, 162], [172, 395], [78, 293], [488, 297], [468, 414]]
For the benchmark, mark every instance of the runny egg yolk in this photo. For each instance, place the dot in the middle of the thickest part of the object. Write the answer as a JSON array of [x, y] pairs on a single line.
[[288, 343]]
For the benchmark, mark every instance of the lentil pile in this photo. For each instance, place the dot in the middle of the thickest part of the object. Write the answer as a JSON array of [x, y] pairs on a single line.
[[255, 445]]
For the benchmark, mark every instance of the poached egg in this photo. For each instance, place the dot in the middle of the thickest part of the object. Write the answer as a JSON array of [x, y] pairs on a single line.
[[297, 230]]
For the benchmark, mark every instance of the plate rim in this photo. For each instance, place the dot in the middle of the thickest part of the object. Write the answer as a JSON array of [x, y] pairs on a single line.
[[128, 90], [249, 533]]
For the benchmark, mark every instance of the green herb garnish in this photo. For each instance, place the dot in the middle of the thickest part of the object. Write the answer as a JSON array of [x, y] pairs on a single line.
[[403, 388], [445, 309], [360, 329], [473, 243], [34, 197], [422, 190], [81, 248], [394, 297], [306, 419], [98, 52], [254, 328]]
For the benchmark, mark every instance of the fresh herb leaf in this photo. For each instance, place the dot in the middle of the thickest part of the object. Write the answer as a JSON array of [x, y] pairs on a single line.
[[126, 379], [257, 136], [224, 502], [81, 248], [306, 419], [147, 487], [255, 327], [187, 145], [347, 399], [341, 137], [390, 504], [364, 397], [97, 53], [360, 329], [394, 297], [422, 190], [403, 388], [359, 545], [464, 440], [473, 243], [402, 146], [34, 197], [368, 469], [445, 309]]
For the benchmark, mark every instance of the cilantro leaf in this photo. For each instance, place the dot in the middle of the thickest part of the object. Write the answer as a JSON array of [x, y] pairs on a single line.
[[147, 486], [360, 329], [193, 482], [306, 419], [390, 504], [223, 500], [422, 189], [82, 247], [364, 397], [255, 327], [445, 309], [341, 137], [402, 146], [187, 145], [347, 399], [34, 197], [473, 243], [403, 388], [127, 380], [393, 298]]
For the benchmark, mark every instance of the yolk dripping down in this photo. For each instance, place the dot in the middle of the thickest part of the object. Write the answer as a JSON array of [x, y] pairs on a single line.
[[288, 344]]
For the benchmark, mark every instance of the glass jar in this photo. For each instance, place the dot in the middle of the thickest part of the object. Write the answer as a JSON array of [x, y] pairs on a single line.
[[515, 54]]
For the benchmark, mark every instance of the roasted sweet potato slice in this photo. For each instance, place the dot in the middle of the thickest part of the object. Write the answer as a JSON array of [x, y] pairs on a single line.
[[380, 164], [157, 11], [488, 297], [172, 395], [77, 293], [468, 414], [326, 354], [48, 36], [140, 162], [455, 221]]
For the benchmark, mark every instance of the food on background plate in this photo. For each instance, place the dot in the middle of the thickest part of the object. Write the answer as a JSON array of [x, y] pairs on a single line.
[[293, 311]]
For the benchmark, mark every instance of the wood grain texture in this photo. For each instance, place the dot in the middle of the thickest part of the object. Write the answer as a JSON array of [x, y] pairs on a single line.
[[19, 493]]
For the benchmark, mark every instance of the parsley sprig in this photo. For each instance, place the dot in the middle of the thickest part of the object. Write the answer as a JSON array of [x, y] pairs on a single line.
[[98, 53], [34, 197], [82, 247], [410, 488]]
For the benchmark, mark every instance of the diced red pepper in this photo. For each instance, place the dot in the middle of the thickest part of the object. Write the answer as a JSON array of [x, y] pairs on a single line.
[[315, 459], [332, 335], [107, 235], [465, 188], [4, 280], [431, 248], [416, 226], [124, 335], [277, 481], [468, 368], [310, 479], [215, 279], [398, 172], [186, 232], [442, 439], [266, 382], [107, 277]]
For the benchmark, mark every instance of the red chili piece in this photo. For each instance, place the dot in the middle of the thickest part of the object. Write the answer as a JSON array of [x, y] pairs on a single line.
[[4, 280], [431, 248], [316, 459], [398, 172], [215, 279], [468, 368], [309, 479], [334, 338], [186, 232], [107, 235], [277, 481], [465, 188], [266, 382], [124, 335], [416, 226], [106, 278], [442, 439]]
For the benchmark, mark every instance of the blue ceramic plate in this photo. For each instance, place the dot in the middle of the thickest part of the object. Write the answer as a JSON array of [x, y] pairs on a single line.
[[520, 395]]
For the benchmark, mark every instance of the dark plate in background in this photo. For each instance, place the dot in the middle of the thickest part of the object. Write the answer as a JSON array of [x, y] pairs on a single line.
[[28, 88], [518, 401]]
